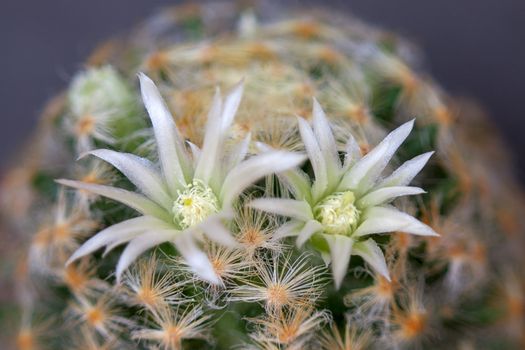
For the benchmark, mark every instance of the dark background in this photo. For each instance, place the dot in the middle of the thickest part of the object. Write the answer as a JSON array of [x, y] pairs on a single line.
[[474, 48]]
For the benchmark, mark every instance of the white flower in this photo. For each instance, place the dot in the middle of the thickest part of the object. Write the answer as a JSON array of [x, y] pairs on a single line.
[[348, 200], [191, 194], [98, 99], [98, 89]]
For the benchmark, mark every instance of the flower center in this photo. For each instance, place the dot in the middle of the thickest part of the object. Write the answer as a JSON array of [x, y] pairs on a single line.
[[338, 213], [194, 204]]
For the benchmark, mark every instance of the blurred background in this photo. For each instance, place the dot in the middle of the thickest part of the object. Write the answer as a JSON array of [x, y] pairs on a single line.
[[474, 48]]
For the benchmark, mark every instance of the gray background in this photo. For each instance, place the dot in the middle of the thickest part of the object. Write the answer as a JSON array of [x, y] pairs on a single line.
[[474, 48]]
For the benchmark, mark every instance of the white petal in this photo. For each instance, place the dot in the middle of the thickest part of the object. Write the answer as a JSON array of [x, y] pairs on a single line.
[[383, 219], [386, 194], [172, 154], [195, 258], [121, 232], [115, 243], [140, 172], [286, 207], [195, 152], [255, 168], [326, 140], [326, 258], [352, 153], [298, 183], [217, 232], [316, 158], [231, 104], [133, 200], [288, 229], [407, 171], [395, 139], [340, 252], [238, 153], [365, 172], [139, 245], [262, 147], [360, 170], [372, 254], [212, 144], [311, 227]]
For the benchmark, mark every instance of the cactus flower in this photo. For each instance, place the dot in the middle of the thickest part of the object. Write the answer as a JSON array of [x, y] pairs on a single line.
[[192, 194], [348, 201]]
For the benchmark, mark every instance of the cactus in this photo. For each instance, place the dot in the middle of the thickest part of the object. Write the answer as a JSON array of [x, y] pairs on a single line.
[[277, 215]]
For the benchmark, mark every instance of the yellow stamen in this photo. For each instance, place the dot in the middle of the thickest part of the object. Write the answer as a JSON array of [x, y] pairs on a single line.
[[338, 213]]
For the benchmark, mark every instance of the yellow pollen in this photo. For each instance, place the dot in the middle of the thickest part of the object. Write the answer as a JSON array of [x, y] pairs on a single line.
[[42, 237], [358, 113], [385, 288], [306, 29], [443, 116], [194, 204], [262, 52], [85, 125], [219, 266], [157, 61], [413, 325], [330, 55], [252, 237], [92, 178], [288, 333], [95, 316], [62, 232], [173, 336], [147, 296], [338, 213], [277, 295], [74, 278]]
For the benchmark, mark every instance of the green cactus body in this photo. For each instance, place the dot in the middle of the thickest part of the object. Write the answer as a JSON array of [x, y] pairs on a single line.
[[279, 216]]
